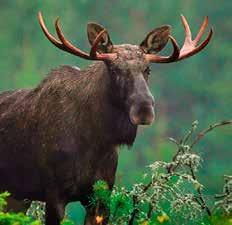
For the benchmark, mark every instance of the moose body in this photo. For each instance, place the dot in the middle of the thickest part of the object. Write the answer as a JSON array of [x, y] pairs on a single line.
[[58, 139], [61, 136]]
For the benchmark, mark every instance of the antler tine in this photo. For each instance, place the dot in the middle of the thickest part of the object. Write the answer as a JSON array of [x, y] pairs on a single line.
[[198, 48], [101, 56], [176, 49], [67, 46], [70, 47], [47, 34], [76, 51], [50, 37], [190, 46], [201, 30], [93, 51], [165, 59], [188, 35]]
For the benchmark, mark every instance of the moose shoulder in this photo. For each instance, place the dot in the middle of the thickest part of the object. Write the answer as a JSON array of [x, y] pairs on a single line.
[[59, 138]]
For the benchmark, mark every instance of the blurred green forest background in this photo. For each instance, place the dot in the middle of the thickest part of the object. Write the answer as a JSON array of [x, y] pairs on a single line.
[[197, 88]]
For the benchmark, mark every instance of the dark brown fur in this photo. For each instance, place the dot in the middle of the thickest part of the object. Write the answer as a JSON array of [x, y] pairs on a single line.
[[58, 139]]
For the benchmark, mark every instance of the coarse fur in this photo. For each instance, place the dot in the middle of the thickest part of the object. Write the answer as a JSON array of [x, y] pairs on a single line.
[[58, 139], [47, 124]]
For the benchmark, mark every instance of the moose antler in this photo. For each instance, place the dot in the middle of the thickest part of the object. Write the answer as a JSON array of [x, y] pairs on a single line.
[[65, 45], [189, 48]]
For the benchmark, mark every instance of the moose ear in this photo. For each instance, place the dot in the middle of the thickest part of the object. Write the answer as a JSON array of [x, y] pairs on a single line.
[[105, 45], [156, 40]]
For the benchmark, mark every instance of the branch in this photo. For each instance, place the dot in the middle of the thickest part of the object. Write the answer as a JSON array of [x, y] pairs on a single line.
[[210, 128]]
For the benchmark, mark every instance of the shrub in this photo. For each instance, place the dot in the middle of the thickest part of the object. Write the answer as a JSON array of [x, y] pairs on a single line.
[[35, 215], [171, 192]]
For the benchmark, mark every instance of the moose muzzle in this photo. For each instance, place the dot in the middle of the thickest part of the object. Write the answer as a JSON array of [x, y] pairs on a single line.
[[142, 115], [141, 110]]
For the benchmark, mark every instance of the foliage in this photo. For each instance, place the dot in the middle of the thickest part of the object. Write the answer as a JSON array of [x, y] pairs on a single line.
[[3, 202], [37, 211], [173, 195], [16, 219], [225, 202], [35, 215], [67, 222], [9, 218], [101, 192]]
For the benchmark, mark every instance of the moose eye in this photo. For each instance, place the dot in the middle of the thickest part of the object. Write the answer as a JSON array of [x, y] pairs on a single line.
[[147, 71]]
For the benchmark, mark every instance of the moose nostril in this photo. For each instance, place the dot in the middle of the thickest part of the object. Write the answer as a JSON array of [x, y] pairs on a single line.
[[144, 109]]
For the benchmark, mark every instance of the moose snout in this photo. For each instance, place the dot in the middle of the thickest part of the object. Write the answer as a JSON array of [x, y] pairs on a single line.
[[142, 113]]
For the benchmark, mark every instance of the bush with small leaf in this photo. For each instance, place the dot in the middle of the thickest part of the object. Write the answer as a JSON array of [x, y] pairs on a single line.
[[172, 195], [10, 218]]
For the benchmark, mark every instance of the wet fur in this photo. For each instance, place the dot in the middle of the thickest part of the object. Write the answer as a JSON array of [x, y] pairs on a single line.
[[68, 113], [58, 139]]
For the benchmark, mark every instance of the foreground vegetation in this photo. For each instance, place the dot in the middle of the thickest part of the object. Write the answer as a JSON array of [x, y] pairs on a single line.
[[169, 194], [11, 218], [198, 88]]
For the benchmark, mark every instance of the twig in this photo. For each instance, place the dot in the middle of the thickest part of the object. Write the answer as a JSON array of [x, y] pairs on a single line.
[[203, 205], [190, 133], [210, 128], [135, 210], [199, 136]]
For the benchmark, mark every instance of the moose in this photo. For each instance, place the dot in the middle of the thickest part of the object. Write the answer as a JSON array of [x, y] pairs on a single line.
[[59, 138]]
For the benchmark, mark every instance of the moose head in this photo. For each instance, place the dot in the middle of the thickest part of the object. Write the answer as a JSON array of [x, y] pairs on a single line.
[[128, 65]]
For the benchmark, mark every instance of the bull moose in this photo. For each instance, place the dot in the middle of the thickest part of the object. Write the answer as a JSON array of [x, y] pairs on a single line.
[[59, 138]]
